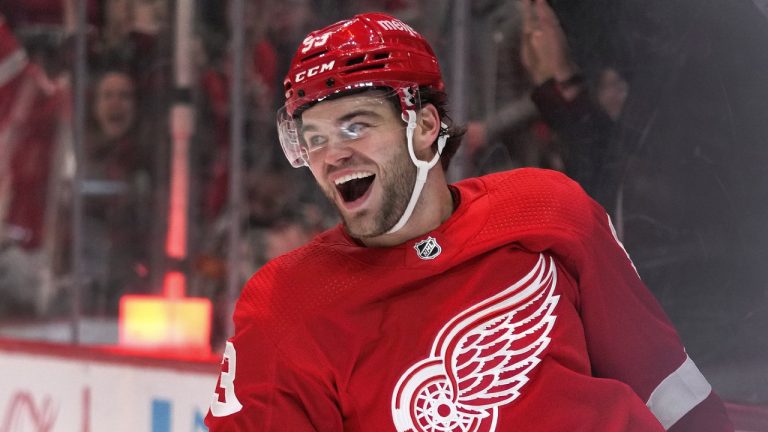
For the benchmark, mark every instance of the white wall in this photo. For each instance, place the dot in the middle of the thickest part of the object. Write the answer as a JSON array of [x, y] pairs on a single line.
[[57, 393]]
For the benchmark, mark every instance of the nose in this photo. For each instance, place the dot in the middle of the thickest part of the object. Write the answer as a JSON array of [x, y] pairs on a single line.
[[335, 152]]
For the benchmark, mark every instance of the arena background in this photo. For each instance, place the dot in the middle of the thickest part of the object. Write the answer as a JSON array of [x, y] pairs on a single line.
[[139, 157]]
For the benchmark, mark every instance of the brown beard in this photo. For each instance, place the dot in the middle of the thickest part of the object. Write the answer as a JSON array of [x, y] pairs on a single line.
[[397, 179]]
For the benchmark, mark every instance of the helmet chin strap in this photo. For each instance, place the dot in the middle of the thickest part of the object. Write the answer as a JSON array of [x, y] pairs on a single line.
[[422, 168]]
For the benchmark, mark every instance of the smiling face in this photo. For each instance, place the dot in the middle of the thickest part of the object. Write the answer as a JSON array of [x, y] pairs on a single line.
[[115, 104], [358, 155]]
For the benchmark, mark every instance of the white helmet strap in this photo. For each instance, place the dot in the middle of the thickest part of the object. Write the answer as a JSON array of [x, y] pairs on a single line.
[[422, 167]]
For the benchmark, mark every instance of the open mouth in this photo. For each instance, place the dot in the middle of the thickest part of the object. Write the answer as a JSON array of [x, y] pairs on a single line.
[[354, 186]]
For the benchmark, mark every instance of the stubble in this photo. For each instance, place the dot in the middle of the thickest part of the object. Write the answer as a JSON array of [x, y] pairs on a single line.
[[396, 179]]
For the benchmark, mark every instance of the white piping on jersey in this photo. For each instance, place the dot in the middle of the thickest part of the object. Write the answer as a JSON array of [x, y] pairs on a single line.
[[678, 393], [616, 237]]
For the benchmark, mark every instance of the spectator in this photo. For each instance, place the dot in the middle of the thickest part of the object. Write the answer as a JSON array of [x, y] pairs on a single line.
[[121, 42], [32, 108], [583, 123], [504, 130], [116, 191], [690, 146]]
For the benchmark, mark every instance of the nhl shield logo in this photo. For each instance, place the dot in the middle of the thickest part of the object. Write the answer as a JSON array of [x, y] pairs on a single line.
[[428, 249]]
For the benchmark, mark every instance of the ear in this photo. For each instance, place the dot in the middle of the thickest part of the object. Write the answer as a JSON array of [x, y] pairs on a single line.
[[426, 132]]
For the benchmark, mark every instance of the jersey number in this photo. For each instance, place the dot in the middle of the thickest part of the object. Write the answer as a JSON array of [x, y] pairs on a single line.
[[227, 382], [314, 42]]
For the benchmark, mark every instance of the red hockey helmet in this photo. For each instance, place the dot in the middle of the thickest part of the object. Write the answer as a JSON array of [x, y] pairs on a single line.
[[368, 50]]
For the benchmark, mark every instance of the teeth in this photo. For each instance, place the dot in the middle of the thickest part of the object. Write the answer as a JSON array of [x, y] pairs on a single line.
[[353, 176]]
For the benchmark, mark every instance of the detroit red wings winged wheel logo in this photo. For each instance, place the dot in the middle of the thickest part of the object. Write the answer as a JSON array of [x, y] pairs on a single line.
[[480, 360]]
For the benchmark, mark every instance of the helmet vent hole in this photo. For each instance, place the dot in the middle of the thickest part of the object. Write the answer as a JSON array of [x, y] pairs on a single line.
[[313, 55], [380, 56], [364, 68], [356, 60]]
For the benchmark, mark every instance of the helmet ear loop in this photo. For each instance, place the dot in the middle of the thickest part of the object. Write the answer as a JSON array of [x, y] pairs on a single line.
[[422, 167], [409, 116]]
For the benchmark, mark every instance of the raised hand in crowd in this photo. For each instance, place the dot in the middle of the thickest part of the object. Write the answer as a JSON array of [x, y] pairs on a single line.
[[544, 48]]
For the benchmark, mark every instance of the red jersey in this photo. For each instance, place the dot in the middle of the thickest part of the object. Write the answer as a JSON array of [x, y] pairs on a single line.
[[521, 312]]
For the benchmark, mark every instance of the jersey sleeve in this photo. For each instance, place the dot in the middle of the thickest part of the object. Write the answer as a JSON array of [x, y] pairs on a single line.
[[266, 384], [629, 336]]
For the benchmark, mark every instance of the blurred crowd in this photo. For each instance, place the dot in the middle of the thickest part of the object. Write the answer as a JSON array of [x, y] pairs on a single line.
[[657, 120], [125, 153]]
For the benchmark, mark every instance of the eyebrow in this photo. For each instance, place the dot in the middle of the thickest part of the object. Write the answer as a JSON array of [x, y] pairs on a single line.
[[345, 118], [357, 113]]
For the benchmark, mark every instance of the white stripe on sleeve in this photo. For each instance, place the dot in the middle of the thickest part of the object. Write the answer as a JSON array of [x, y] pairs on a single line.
[[678, 393]]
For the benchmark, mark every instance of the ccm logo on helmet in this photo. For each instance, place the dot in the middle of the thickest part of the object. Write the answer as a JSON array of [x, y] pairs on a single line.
[[314, 70], [396, 25]]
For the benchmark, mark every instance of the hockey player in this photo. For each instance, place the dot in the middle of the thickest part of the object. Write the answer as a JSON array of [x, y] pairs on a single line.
[[498, 303]]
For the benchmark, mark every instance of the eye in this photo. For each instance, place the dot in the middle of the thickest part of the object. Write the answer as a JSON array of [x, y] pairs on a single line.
[[353, 130], [315, 141]]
